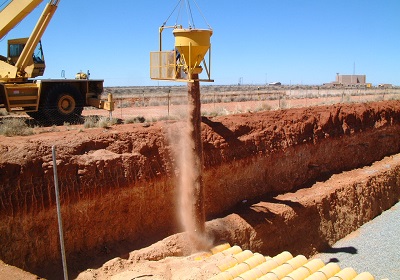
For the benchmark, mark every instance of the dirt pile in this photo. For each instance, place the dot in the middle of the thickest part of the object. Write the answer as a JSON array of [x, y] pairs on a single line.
[[118, 185]]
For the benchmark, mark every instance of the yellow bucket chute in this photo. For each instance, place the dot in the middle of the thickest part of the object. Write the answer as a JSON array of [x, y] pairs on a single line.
[[192, 45], [187, 58]]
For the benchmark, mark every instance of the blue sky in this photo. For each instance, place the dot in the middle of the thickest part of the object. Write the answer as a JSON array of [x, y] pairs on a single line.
[[291, 41]]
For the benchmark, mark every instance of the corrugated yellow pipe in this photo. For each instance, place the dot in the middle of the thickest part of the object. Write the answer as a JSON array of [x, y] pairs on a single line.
[[298, 274], [305, 270], [235, 259], [282, 257], [265, 265], [255, 260], [251, 263], [229, 265], [346, 274], [274, 262], [238, 269], [226, 263], [222, 276], [364, 276], [286, 268], [297, 261], [231, 251], [325, 273], [259, 270], [252, 274], [314, 265], [244, 265], [227, 260], [275, 274], [220, 248], [242, 256], [220, 255]]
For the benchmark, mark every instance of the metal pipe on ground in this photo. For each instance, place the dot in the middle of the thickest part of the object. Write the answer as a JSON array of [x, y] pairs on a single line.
[[60, 226]]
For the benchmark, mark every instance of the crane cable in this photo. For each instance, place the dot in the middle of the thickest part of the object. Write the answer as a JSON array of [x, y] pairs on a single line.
[[165, 22], [188, 11], [179, 12], [201, 13]]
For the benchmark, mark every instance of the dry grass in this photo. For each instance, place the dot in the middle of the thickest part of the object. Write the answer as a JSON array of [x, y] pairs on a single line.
[[15, 127], [3, 112], [138, 119], [96, 121]]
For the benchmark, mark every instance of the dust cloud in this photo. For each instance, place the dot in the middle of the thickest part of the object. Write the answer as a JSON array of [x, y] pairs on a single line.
[[189, 177]]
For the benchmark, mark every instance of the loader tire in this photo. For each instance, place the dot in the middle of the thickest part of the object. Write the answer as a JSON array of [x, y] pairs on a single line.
[[63, 103], [38, 116]]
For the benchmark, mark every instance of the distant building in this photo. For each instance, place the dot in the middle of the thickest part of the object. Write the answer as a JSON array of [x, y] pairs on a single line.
[[385, 85], [349, 80], [275, 84]]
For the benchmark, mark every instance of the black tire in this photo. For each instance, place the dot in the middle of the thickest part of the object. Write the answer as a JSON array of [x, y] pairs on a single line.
[[38, 116], [34, 115], [63, 103]]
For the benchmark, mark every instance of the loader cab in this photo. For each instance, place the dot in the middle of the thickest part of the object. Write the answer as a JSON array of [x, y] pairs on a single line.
[[36, 63]]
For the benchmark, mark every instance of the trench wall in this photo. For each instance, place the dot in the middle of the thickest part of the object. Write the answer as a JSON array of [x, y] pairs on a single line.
[[306, 221], [312, 219], [118, 187]]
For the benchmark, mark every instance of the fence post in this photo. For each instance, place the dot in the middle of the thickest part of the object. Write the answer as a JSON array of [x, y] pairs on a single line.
[[60, 227], [168, 102]]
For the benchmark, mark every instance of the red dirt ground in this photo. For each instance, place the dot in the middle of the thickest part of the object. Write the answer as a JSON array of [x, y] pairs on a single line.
[[307, 142]]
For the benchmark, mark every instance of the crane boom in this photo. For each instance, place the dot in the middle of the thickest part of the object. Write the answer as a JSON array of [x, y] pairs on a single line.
[[21, 61], [36, 34], [14, 13]]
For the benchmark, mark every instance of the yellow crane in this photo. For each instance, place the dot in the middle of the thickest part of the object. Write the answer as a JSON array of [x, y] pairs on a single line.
[[52, 101]]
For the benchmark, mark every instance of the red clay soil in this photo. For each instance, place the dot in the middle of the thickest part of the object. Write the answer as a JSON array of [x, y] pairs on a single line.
[[302, 222], [118, 184]]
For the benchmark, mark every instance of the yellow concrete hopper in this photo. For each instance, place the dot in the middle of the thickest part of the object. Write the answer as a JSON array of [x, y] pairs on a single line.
[[192, 45]]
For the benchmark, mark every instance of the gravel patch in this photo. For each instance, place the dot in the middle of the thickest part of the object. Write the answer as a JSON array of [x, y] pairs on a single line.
[[374, 247]]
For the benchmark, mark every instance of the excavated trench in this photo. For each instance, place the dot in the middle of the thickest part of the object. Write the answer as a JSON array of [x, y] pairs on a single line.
[[296, 179]]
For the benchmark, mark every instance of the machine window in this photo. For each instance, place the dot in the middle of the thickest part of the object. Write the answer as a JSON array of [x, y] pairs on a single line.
[[16, 49], [38, 54]]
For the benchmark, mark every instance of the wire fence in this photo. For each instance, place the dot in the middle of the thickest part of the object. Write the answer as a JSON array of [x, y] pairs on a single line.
[[152, 103], [149, 104]]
